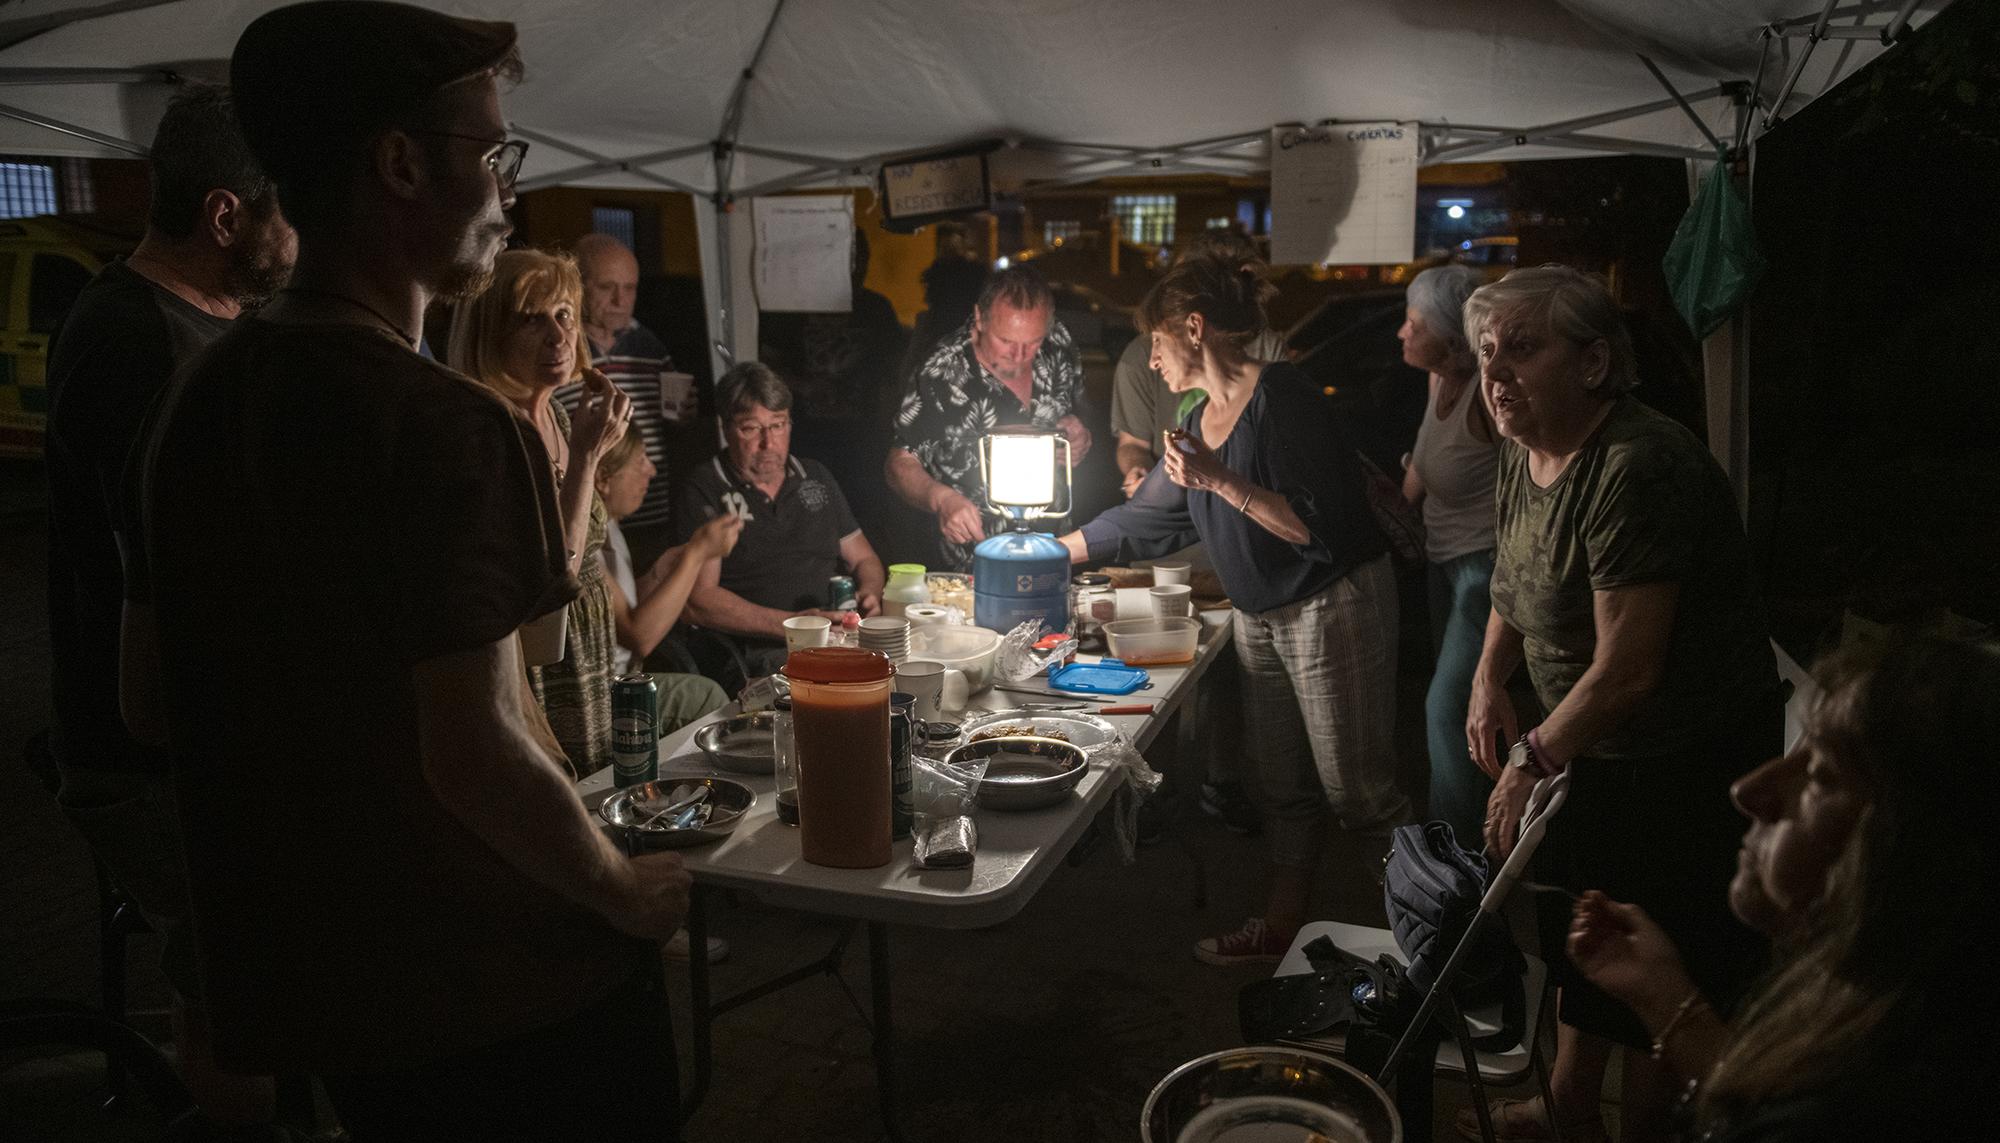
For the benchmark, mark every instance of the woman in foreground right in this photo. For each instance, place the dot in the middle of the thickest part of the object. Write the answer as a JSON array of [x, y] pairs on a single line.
[[1868, 863]]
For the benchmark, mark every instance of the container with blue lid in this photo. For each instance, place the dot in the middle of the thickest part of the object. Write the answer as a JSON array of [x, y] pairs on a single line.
[[1104, 677]]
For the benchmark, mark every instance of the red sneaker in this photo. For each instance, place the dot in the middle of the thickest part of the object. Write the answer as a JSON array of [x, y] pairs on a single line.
[[1251, 944]]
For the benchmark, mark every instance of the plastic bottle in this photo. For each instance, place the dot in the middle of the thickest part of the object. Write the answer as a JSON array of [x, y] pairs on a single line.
[[906, 586]]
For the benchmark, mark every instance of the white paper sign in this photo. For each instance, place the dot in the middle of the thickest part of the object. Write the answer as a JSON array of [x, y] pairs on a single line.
[[805, 251], [1344, 193]]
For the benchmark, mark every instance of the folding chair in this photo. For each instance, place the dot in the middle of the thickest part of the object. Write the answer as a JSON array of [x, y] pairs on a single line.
[[1455, 1056]]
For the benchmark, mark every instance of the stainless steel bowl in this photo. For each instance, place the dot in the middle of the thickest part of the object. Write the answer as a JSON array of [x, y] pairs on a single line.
[[1251, 1093], [1024, 772], [629, 809], [740, 745]]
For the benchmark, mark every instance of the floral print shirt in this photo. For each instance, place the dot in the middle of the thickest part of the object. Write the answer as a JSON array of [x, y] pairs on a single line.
[[953, 402]]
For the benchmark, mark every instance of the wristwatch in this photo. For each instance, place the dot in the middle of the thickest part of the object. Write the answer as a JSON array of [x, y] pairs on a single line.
[[1521, 756]]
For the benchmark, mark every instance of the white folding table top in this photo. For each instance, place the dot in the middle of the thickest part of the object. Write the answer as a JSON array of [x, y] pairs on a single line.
[[1017, 851]]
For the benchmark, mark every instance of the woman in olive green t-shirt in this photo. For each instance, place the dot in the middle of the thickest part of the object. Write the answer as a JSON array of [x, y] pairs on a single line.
[[1622, 580]]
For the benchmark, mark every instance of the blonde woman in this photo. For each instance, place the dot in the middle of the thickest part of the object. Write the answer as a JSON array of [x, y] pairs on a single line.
[[521, 338], [1868, 863]]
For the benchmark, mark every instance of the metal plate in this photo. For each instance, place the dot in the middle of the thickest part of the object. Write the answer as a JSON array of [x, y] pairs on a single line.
[[1083, 730], [740, 745]]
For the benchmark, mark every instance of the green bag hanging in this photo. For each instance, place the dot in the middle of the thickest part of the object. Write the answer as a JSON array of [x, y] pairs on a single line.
[[1713, 262]]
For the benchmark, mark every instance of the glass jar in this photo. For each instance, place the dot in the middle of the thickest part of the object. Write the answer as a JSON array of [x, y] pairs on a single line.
[[906, 586], [938, 739], [840, 736], [1093, 602], [785, 767]]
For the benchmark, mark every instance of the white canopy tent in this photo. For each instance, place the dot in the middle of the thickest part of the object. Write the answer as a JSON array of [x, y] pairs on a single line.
[[728, 99]]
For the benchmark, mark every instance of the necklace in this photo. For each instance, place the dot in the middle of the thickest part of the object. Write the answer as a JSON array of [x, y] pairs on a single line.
[[167, 278], [387, 325]]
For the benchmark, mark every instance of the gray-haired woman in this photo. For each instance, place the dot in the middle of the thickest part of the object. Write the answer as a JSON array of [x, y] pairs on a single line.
[[1622, 578], [1450, 473]]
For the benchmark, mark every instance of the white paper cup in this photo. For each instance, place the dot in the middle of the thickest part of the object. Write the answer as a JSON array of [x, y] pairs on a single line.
[[674, 390], [1174, 599], [1166, 575], [938, 688], [803, 631], [542, 638]]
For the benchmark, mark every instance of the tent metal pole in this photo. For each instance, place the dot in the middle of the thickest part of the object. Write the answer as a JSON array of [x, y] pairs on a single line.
[[14, 32], [57, 76], [1857, 32], [802, 178], [725, 162], [1866, 8], [1900, 23], [1799, 68], [600, 164], [1685, 109], [803, 160], [1458, 152], [1566, 127], [35, 119]]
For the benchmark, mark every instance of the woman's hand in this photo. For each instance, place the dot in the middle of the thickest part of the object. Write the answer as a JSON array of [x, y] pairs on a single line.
[[1490, 725], [1623, 951], [1194, 466], [1504, 809], [600, 418], [717, 538]]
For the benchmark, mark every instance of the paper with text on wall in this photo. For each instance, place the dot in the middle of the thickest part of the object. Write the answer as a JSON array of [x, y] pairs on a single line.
[[805, 253], [1343, 193]]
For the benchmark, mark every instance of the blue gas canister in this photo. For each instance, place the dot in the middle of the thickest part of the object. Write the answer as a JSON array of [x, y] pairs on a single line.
[[1018, 576]]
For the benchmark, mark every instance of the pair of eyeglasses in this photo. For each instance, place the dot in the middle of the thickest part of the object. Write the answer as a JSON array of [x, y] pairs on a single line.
[[504, 161]]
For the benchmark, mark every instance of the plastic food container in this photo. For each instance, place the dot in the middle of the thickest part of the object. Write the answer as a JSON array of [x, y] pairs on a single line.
[[962, 648], [1147, 642]]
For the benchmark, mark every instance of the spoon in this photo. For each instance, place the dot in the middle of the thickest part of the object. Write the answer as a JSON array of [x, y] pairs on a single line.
[[700, 794]]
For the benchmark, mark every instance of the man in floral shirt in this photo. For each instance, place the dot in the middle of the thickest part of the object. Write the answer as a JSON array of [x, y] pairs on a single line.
[[1012, 364]]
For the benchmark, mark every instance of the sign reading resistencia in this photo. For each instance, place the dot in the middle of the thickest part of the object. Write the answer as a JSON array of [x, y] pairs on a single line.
[[936, 186]]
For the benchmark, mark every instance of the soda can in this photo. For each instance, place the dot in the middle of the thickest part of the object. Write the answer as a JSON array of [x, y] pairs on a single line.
[[841, 593], [635, 730], [902, 739]]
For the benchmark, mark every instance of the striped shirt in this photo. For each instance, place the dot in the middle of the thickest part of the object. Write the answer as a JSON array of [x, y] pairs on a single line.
[[634, 363]]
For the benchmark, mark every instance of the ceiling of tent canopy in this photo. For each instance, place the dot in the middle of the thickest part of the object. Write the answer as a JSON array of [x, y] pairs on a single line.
[[1070, 89]]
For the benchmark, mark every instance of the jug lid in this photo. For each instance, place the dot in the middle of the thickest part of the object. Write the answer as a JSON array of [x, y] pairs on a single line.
[[838, 665]]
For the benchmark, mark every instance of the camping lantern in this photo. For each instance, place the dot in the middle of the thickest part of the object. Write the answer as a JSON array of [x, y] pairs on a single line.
[[1022, 574]]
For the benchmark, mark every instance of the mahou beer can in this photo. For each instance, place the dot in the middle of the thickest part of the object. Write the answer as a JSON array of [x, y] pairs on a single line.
[[635, 729], [903, 727], [841, 594]]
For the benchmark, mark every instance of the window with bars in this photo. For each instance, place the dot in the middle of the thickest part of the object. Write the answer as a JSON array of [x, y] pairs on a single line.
[[1057, 233], [27, 189], [78, 193], [1147, 219], [620, 222]]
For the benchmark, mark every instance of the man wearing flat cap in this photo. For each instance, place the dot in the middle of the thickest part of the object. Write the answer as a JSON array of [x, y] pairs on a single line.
[[394, 886]]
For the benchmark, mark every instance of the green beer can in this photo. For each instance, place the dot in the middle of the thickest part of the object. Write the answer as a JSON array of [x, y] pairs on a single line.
[[635, 729]]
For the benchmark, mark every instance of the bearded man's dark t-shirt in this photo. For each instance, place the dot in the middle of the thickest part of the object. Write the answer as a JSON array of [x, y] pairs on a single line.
[[325, 510]]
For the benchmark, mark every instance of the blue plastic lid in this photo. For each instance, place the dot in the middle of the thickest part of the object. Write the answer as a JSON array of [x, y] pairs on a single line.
[[1106, 677]]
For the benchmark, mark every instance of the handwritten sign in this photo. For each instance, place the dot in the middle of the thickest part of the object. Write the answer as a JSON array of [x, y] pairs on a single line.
[[935, 186], [805, 252], [1344, 193]]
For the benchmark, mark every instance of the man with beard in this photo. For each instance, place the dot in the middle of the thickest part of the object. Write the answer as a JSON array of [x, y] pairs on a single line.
[[797, 529], [395, 887], [1013, 363], [215, 242]]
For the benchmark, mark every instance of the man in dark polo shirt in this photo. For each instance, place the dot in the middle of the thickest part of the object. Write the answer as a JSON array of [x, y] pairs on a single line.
[[797, 529], [395, 887]]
